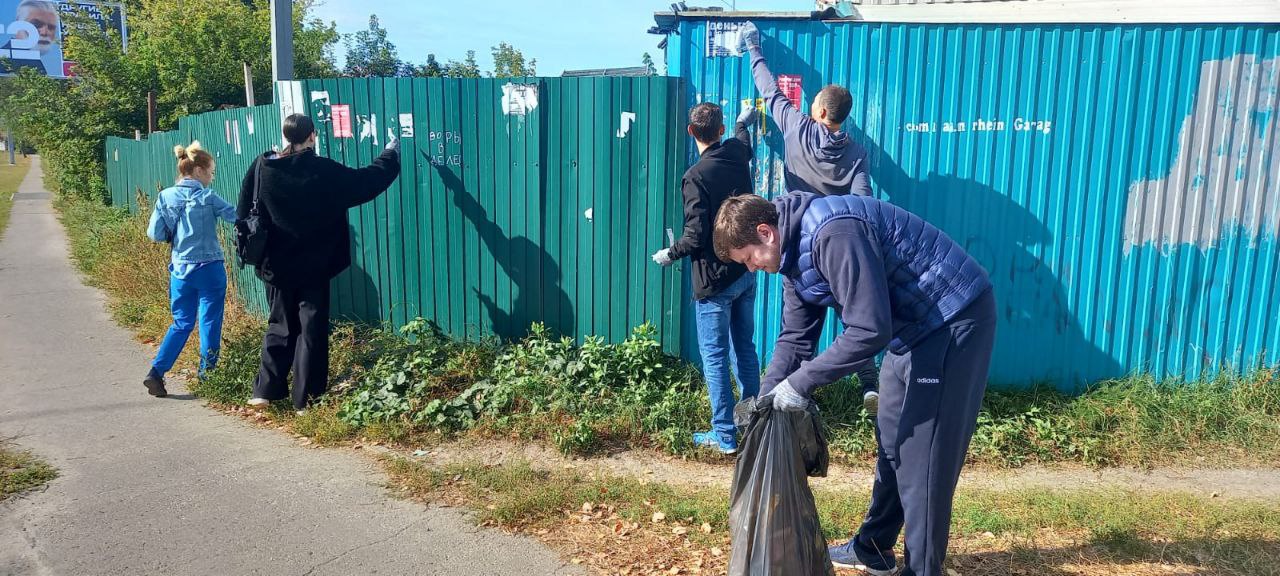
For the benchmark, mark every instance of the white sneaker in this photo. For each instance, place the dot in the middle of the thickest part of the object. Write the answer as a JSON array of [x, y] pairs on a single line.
[[255, 402], [871, 403]]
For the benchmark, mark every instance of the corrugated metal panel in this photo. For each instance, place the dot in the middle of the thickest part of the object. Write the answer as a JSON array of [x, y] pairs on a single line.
[[499, 219], [1118, 182], [1059, 11]]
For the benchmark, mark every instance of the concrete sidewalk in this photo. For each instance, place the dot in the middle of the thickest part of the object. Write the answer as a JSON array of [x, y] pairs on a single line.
[[167, 486]]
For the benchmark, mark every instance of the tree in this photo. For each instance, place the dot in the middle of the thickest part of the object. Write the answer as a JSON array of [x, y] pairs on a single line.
[[509, 62], [188, 52], [314, 41], [647, 60], [430, 69], [369, 53], [465, 69]]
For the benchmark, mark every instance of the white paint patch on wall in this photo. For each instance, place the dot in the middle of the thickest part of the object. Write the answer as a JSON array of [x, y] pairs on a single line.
[[1226, 172]]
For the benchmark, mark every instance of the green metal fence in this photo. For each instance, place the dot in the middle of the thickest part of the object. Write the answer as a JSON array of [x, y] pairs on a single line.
[[519, 201]]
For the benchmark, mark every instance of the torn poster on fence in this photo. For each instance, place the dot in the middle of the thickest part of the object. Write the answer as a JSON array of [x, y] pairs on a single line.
[[519, 99], [723, 38], [248, 121], [791, 86], [625, 123], [319, 105], [368, 127], [235, 131], [341, 120], [406, 125]]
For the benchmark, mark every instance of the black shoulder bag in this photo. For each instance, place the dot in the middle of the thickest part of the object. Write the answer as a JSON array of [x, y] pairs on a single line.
[[251, 232]]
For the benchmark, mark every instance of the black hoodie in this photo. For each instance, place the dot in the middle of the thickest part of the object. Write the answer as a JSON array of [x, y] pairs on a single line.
[[304, 200]]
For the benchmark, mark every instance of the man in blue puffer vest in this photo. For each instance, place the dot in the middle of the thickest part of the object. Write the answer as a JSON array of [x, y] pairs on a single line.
[[898, 282]]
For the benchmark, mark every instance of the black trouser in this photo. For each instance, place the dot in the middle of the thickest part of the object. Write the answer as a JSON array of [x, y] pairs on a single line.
[[297, 335], [929, 402]]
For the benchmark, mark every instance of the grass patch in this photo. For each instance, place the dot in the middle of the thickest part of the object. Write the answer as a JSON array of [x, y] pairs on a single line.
[[20, 471], [10, 178], [1022, 532], [598, 397]]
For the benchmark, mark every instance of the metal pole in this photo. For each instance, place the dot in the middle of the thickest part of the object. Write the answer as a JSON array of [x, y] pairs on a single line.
[[12, 160], [248, 85], [151, 112], [281, 40]]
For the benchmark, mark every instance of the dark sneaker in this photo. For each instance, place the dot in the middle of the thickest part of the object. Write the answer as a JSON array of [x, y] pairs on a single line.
[[843, 556], [155, 385]]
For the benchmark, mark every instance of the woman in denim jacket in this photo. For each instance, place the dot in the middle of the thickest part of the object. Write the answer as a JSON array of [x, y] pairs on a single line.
[[186, 216]]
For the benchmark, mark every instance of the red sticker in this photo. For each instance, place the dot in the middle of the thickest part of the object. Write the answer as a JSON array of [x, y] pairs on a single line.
[[789, 84], [341, 115]]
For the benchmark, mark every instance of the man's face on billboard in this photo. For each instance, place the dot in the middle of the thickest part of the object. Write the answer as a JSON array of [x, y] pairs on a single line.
[[46, 23]]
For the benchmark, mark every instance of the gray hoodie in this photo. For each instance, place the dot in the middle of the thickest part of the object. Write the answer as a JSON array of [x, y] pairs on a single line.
[[816, 159]]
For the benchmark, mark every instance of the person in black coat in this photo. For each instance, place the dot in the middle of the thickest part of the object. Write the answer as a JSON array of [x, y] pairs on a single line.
[[303, 200], [724, 294]]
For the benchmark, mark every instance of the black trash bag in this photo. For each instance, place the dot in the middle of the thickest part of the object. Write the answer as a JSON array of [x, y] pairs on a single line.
[[773, 520]]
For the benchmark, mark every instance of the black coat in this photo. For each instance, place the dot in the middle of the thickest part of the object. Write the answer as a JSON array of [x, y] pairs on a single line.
[[724, 170], [304, 200]]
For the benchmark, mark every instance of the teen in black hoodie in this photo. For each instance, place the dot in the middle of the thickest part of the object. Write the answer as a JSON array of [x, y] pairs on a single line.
[[303, 200]]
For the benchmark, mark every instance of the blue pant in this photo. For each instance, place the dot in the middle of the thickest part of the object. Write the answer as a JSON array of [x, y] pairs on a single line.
[[929, 401], [202, 292], [726, 323]]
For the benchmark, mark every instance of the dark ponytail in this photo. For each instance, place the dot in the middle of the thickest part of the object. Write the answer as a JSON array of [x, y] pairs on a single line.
[[297, 129]]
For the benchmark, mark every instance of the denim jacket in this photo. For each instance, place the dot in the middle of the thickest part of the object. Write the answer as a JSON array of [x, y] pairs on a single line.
[[186, 216]]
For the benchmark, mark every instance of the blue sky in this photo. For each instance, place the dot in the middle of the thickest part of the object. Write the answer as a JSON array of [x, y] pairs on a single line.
[[561, 34]]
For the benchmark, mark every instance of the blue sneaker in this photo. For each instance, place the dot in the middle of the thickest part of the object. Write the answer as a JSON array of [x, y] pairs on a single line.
[[844, 556], [714, 440]]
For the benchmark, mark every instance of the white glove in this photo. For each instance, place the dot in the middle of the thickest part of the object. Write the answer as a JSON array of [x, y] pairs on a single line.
[[785, 397], [748, 37], [663, 257], [748, 115], [394, 144]]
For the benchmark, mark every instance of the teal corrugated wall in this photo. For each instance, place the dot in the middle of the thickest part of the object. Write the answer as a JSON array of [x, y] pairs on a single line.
[[1119, 182], [503, 215]]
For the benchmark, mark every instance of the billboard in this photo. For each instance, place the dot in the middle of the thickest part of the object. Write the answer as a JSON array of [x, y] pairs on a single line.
[[32, 32]]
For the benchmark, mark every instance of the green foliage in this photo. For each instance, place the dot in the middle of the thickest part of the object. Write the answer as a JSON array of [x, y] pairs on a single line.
[[314, 41], [20, 471], [509, 62], [369, 53], [188, 52], [232, 381], [465, 69], [580, 398], [647, 60]]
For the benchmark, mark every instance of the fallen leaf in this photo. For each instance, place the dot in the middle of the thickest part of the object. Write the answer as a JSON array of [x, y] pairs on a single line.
[[717, 552], [679, 530], [586, 507], [658, 517], [706, 527], [951, 572], [577, 560]]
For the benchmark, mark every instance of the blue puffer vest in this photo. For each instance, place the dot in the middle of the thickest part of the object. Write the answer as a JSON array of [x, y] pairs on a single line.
[[931, 278]]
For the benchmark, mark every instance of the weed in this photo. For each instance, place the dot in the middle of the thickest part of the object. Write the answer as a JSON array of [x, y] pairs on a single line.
[[10, 178], [20, 471]]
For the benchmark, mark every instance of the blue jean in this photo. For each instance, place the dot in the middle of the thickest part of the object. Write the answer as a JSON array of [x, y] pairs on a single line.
[[203, 292], [726, 323]]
